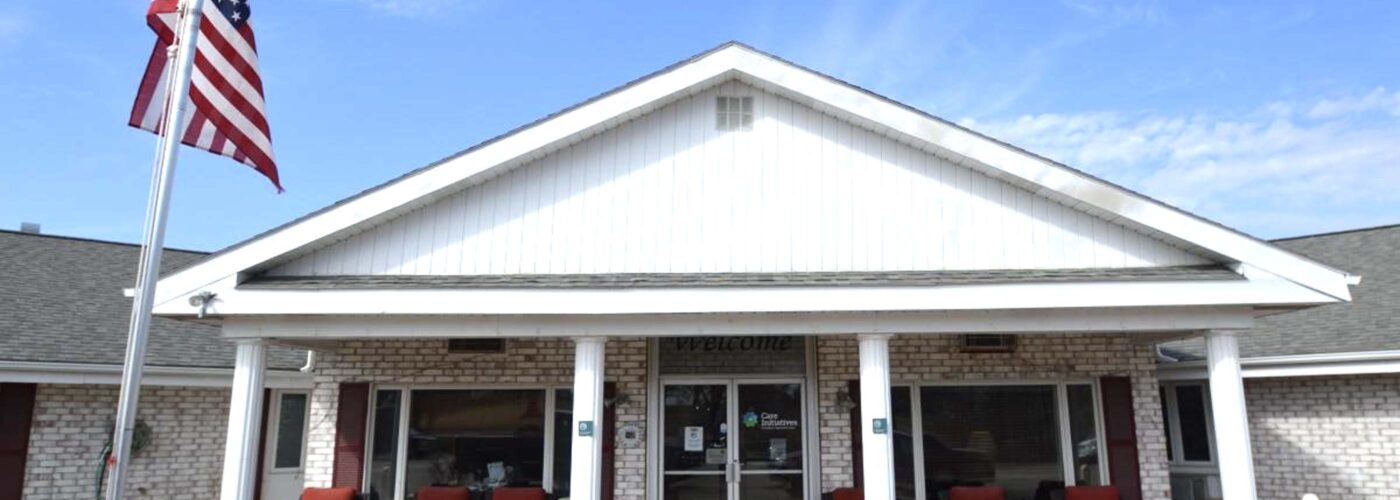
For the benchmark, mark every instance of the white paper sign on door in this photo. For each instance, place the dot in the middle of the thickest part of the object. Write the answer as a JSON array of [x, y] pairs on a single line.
[[694, 439]]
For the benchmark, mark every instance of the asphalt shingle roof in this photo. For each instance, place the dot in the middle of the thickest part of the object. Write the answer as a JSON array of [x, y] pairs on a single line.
[[651, 280], [1370, 322], [61, 301]]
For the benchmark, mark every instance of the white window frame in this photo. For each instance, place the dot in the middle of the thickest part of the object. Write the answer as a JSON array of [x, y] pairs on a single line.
[[275, 429], [1062, 418], [1170, 408], [405, 407]]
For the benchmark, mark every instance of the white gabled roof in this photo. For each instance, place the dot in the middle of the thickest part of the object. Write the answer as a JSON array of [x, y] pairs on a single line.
[[733, 60]]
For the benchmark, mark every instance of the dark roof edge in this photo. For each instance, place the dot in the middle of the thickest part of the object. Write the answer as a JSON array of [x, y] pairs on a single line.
[[148, 365], [95, 240], [1339, 232]]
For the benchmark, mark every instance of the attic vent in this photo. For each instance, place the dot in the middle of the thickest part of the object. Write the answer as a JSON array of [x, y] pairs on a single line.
[[988, 343], [733, 113], [476, 346]]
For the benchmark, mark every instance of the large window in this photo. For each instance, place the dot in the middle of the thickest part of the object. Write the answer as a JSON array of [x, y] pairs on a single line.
[[1032, 439], [479, 438]]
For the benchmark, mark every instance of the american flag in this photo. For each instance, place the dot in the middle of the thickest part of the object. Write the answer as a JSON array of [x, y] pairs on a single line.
[[228, 116]]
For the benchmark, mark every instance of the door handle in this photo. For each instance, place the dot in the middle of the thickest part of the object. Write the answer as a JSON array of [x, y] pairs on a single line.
[[729, 472], [738, 472]]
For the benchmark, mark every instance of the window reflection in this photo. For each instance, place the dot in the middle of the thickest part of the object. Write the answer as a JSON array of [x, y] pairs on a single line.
[[383, 459], [1084, 434], [1195, 431], [476, 438], [563, 440], [1002, 435]]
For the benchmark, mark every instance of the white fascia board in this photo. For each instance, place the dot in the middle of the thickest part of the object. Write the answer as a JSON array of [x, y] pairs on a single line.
[[1302, 365], [33, 372], [1255, 291], [735, 59], [1137, 320]]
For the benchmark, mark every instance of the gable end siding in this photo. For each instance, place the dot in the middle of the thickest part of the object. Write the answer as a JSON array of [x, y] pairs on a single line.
[[801, 191]]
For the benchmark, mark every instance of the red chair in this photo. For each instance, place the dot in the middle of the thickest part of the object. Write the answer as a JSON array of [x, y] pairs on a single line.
[[444, 493], [847, 494], [518, 493], [1091, 493], [977, 493], [328, 494]]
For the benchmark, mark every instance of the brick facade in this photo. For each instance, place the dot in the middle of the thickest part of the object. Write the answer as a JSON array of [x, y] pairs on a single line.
[[71, 423], [926, 358], [525, 362], [1331, 436]]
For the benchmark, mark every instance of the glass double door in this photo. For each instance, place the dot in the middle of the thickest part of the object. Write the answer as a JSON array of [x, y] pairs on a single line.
[[732, 439]]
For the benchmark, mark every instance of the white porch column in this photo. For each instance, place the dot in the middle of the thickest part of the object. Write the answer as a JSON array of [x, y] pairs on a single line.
[[877, 449], [244, 421], [586, 468], [1231, 423]]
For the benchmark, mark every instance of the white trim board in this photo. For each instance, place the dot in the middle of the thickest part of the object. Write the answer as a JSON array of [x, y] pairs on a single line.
[[1303, 365], [81, 373], [1142, 320], [1258, 289], [730, 61]]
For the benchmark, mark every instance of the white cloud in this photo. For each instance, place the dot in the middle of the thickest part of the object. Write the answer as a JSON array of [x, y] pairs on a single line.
[[1264, 170], [1378, 100]]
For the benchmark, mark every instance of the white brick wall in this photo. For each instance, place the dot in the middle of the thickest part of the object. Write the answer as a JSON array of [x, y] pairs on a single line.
[[1336, 437], [72, 422], [545, 362], [936, 357]]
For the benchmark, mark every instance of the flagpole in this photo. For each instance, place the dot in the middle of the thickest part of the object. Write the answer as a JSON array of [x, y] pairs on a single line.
[[172, 128]]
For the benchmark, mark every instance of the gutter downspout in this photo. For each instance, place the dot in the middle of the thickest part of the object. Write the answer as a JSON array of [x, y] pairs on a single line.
[[310, 365]]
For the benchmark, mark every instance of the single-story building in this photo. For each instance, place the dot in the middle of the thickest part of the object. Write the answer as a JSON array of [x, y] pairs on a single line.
[[63, 329], [740, 278], [1323, 387]]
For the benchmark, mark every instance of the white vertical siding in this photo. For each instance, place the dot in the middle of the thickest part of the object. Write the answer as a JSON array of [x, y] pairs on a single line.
[[800, 191]]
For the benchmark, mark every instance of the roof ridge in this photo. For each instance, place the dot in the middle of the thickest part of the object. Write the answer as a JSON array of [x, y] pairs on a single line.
[[95, 240]]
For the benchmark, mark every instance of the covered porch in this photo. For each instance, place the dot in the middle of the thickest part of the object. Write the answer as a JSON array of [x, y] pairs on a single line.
[[893, 413]]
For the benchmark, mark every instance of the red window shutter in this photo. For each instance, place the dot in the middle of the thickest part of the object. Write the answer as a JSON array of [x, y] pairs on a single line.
[[16, 418], [857, 441], [1120, 431], [350, 420]]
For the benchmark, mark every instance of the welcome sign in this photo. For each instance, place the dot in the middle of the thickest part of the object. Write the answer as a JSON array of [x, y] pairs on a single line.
[[718, 355]]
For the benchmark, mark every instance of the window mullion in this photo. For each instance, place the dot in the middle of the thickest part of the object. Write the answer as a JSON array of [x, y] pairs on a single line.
[[401, 463], [1066, 435], [1100, 434], [916, 433], [1174, 424], [547, 475]]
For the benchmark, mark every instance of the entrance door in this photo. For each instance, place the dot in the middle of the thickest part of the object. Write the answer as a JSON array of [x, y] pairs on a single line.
[[283, 468], [732, 439]]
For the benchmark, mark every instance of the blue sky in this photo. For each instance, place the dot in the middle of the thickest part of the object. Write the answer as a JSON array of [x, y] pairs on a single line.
[[1278, 118]]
